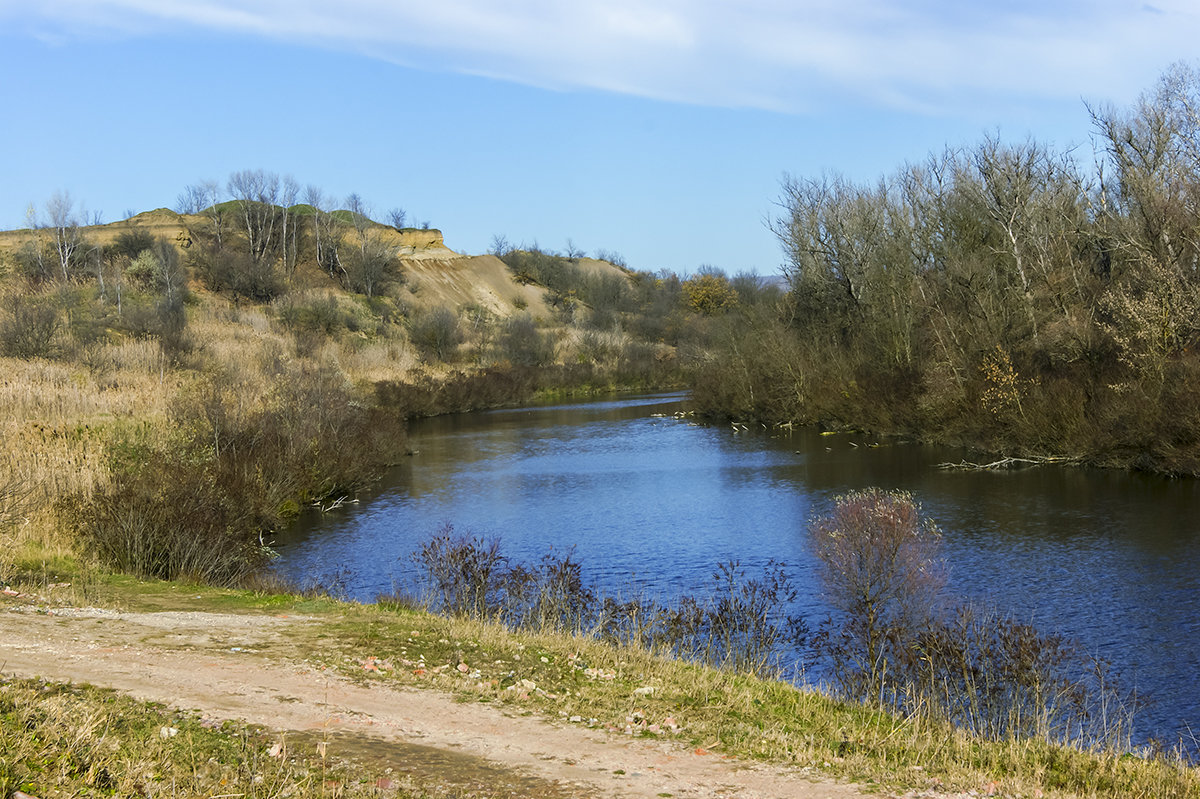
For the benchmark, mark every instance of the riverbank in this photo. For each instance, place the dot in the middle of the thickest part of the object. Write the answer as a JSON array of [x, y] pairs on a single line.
[[646, 725]]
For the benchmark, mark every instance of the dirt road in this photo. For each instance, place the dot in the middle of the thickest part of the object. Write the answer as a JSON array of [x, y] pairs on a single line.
[[218, 664]]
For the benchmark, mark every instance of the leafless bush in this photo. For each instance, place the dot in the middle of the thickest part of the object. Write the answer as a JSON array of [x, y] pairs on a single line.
[[27, 330], [437, 332], [893, 646], [743, 625], [882, 574], [169, 520], [463, 575], [1005, 679]]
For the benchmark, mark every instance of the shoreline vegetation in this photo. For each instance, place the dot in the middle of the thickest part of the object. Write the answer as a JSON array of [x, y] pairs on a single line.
[[179, 384], [1007, 297], [566, 678]]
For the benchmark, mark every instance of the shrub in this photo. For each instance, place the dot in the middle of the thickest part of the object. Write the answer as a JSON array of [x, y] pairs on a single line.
[[27, 330], [320, 316], [237, 272], [459, 392], [169, 520], [131, 243], [1001, 679], [743, 625], [998, 678], [436, 332], [880, 569], [200, 504], [709, 294], [522, 344], [463, 575]]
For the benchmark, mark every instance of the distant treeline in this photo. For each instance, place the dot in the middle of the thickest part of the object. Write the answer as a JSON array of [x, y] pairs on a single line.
[[1005, 296]]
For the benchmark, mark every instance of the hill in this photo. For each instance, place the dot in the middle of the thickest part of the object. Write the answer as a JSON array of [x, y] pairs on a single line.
[[437, 275]]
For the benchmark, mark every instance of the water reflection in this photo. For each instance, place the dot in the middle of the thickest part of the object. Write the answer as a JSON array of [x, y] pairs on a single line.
[[653, 502]]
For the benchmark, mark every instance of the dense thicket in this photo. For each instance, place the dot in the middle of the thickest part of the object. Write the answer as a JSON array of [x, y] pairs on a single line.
[[1003, 296]]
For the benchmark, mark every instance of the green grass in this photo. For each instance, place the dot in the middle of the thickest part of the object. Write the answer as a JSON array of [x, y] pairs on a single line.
[[78, 740], [631, 692]]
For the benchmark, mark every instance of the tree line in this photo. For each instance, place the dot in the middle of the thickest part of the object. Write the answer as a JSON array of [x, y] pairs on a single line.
[[1006, 295]]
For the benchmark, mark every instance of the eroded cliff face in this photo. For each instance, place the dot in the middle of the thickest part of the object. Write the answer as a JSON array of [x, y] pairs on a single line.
[[421, 241]]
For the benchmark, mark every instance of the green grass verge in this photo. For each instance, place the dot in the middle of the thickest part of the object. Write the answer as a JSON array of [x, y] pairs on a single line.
[[633, 692], [78, 740]]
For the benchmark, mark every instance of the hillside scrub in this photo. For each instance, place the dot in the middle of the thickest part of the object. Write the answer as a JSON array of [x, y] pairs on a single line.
[[182, 383], [999, 296]]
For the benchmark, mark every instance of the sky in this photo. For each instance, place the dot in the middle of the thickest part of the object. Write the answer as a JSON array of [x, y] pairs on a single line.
[[657, 129]]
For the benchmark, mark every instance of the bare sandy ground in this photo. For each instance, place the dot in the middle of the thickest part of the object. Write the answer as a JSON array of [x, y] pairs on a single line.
[[208, 662]]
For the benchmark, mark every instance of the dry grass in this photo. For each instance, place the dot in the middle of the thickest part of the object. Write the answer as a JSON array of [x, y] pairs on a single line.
[[55, 419]]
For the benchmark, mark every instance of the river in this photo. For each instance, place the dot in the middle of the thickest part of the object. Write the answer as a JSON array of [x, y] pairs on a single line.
[[651, 502]]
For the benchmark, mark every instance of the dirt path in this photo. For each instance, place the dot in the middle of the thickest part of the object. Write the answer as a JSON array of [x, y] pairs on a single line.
[[209, 662]]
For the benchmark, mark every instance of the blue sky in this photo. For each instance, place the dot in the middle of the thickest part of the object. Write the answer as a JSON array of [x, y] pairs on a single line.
[[658, 129]]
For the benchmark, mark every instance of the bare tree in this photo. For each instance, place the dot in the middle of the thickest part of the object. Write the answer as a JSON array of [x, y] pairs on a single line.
[[326, 232], [360, 218], [500, 245], [33, 253], [1154, 220], [257, 196], [192, 200], [397, 218], [204, 198], [290, 240], [372, 265], [64, 225]]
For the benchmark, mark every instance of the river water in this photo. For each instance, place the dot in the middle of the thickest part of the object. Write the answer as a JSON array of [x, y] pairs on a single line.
[[651, 502]]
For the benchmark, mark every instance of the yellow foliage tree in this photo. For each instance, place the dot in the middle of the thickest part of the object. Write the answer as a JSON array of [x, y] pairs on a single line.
[[709, 294]]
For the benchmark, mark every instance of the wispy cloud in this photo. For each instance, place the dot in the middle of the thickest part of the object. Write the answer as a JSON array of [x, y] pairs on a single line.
[[780, 54]]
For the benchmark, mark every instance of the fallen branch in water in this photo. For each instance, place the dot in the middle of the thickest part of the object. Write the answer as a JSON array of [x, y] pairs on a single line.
[[1009, 463]]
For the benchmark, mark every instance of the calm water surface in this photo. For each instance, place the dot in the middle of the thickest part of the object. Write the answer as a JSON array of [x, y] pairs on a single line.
[[650, 502]]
